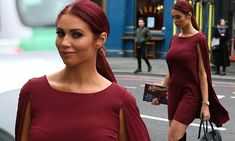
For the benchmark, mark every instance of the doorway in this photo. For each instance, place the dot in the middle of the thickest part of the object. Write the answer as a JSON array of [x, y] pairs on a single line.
[[152, 12]]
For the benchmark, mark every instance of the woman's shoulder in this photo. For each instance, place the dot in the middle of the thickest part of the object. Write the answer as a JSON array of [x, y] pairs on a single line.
[[123, 92], [34, 81], [37, 80], [201, 36]]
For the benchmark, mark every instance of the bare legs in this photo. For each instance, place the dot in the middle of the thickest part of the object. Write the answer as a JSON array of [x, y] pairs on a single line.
[[177, 131]]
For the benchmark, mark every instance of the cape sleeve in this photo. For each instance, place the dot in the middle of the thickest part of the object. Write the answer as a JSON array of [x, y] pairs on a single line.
[[219, 115], [135, 127], [22, 104]]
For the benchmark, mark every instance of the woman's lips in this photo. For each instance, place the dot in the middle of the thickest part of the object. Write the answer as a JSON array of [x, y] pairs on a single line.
[[68, 53]]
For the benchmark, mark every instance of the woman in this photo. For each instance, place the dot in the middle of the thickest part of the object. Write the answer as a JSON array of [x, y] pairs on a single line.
[[190, 91], [221, 56], [81, 102]]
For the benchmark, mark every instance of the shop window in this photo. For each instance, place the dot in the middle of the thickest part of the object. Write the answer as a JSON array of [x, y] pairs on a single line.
[[152, 12]]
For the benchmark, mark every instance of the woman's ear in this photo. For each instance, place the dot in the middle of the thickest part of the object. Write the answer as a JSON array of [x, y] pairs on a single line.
[[101, 39], [189, 15]]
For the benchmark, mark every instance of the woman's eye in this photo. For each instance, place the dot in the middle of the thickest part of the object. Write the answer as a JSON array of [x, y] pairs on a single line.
[[76, 34], [177, 17], [60, 33]]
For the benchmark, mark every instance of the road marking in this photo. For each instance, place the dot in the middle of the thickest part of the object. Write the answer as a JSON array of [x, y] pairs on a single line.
[[232, 96], [166, 120], [220, 96], [233, 92], [142, 85], [154, 118], [130, 87]]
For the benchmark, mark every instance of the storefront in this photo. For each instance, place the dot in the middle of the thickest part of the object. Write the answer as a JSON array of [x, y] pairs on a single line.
[[123, 16]]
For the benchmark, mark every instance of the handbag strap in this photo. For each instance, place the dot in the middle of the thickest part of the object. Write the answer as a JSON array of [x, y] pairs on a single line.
[[205, 129], [200, 127]]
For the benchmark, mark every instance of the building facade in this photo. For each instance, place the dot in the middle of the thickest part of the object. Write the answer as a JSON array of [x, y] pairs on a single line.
[[123, 15]]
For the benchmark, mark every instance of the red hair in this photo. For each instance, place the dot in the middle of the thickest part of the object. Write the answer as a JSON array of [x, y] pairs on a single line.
[[185, 7], [92, 14]]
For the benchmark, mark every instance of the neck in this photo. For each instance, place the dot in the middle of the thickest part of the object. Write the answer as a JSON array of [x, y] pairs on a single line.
[[188, 30], [81, 74], [80, 79]]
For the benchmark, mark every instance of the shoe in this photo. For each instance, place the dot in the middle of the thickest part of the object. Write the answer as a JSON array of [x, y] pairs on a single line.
[[223, 73], [137, 71], [149, 69]]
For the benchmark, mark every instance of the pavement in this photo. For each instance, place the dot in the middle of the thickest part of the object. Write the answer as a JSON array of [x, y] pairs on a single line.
[[127, 65]]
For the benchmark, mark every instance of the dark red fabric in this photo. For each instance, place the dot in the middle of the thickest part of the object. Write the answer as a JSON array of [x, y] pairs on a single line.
[[184, 91], [219, 115], [60, 116]]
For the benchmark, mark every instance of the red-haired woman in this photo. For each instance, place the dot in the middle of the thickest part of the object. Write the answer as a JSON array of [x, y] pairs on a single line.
[[81, 102], [191, 94]]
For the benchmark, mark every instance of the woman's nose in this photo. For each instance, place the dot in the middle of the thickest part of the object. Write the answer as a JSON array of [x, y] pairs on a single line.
[[66, 42]]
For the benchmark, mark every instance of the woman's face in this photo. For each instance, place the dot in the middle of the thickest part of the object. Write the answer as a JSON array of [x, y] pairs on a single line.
[[180, 19], [222, 22], [75, 41]]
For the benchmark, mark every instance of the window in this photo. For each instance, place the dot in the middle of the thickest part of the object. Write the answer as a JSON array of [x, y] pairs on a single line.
[[151, 22]]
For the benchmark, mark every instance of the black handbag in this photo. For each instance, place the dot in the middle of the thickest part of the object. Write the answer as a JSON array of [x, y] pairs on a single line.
[[213, 135]]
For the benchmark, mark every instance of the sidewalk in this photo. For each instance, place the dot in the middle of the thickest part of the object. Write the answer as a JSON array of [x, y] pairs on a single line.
[[127, 65]]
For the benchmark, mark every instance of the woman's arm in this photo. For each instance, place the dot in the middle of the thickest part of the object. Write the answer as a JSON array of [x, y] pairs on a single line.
[[203, 85], [166, 82], [26, 124], [122, 130]]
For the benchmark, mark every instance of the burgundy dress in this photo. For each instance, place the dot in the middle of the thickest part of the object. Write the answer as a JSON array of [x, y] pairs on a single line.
[[62, 116], [185, 98]]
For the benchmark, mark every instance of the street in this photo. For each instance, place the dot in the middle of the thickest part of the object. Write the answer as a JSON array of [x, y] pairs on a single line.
[[155, 117], [17, 69]]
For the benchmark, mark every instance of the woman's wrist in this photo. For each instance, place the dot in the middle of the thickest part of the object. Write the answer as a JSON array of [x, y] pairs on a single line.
[[206, 103]]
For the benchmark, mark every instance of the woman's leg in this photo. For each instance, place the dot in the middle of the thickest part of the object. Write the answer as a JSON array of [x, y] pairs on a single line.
[[177, 131], [224, 70], [217, 69]]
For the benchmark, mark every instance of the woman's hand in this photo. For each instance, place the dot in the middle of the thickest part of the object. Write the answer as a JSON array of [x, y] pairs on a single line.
[[205, 112], [155, 102]]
